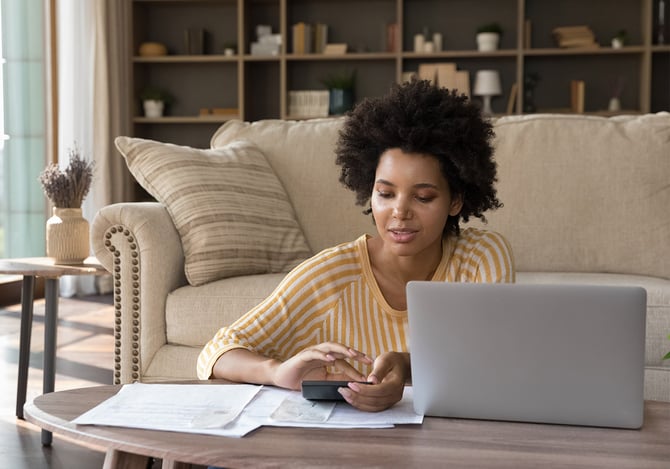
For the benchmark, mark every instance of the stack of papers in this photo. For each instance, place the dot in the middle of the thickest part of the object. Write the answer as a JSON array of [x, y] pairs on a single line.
[[234, 410]]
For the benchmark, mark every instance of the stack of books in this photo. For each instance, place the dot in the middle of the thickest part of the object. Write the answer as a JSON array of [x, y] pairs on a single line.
[[574, 36], [309, 38]]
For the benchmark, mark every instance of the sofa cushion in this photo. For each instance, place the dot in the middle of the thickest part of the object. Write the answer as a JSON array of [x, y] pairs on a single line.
[[231, 211], [194, 314], [302, 154], [585, 193]]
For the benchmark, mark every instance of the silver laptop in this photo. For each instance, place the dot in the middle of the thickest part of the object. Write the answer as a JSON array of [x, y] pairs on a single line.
[[565, 354]]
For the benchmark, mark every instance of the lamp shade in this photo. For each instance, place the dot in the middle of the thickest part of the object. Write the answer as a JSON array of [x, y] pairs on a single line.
[[487, 83]]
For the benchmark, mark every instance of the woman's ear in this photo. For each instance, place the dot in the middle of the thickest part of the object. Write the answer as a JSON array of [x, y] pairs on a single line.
[[456, 205]]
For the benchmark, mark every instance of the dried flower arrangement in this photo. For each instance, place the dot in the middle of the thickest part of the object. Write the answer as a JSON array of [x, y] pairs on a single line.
[[67, 189]]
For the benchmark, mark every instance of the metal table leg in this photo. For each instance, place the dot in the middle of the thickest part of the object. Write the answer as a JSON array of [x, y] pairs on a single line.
[[50, 330], [27, 296]]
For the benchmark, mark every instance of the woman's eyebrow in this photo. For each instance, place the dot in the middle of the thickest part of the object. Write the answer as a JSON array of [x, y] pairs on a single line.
[[384, 181], [421, 185]]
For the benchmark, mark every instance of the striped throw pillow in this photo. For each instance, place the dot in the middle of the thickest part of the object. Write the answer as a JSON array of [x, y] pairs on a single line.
[[231, 211]]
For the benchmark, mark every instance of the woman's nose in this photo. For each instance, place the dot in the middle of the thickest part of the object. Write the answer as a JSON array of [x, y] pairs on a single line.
[[401, 209]]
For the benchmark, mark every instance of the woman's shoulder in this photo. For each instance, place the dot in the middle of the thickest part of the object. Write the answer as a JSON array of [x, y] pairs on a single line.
[[489, 251], [347, 252], [472, 233], [477, 238]]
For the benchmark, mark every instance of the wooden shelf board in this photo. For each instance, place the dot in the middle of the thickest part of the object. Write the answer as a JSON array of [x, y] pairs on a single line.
[[186, 58], [213, 119], [460, 53], [583, 51], [347, 56]]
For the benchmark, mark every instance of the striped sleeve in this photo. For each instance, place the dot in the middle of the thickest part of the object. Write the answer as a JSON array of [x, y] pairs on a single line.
[[290, 317]]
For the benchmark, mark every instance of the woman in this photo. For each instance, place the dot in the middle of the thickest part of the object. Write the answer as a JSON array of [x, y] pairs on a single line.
[[421, 157]]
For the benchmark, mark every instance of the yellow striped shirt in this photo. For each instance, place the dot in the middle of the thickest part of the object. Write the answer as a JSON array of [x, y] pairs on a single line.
[[334, 297]]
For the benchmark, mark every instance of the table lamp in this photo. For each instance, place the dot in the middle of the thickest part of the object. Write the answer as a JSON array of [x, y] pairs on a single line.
[[487, 84]]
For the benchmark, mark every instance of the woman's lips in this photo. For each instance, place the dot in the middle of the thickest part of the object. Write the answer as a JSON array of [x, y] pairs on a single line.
[[402, 235]]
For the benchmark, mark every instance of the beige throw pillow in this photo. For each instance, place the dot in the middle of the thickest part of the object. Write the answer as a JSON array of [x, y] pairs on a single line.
[[231, 211]]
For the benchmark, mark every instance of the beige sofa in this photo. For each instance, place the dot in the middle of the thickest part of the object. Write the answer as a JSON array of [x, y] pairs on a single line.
[[586, 200]]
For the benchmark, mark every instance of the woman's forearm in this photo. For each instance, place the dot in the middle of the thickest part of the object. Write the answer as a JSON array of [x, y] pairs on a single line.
[[243, 366]]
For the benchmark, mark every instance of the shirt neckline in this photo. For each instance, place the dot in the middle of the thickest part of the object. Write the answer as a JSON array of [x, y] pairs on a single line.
[[440, 273]]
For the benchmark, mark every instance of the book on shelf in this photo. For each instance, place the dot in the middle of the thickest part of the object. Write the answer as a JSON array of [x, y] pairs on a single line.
[[527, 33], [320, 37], [511, 101], [302, 38], [309, 38], [577, 90], [574, 36], [392, 37]]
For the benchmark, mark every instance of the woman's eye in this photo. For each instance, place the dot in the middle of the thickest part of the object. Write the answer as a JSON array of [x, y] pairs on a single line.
[[425, 199], [384, 195]]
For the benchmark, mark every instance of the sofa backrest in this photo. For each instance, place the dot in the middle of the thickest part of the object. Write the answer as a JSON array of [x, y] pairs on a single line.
[[585, 193], [303, 157], [581, 193]]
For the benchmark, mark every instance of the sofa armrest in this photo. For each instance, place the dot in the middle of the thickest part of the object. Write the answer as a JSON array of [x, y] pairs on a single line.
[[140, 246]]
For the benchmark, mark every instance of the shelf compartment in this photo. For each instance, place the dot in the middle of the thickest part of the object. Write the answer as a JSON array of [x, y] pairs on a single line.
[[458, 20], [338, 16], [604, 17], [167, 22], [600, 73], [210, 85]]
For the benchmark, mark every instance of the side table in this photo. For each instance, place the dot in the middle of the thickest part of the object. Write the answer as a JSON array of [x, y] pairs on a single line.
[[30, 268]]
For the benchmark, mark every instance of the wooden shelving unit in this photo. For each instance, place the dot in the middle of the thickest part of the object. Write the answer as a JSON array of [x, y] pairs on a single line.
[[258, 86]]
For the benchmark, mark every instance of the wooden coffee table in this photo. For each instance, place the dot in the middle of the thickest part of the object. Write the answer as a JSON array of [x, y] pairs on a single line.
[[30, 268], [439, 442]]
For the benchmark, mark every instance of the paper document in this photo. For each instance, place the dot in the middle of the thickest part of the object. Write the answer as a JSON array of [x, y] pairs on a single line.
[[233, 410]]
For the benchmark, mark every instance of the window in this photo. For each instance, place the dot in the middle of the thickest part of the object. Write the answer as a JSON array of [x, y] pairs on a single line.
[[22, 127]]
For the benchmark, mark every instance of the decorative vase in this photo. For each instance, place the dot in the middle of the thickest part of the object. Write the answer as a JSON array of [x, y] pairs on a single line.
[[67, 236], [614, 104], [340, 101]]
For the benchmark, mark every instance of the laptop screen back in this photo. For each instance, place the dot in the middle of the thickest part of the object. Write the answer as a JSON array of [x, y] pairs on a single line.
[[567, 354]]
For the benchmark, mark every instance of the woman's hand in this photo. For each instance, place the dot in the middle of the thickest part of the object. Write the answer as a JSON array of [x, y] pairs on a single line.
[[390, 373], [312, 363]]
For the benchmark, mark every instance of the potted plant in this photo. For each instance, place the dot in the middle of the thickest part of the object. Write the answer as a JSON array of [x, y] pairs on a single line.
[[620, 39], [67, 231], [155, 100], [340, 91], [488, 36]]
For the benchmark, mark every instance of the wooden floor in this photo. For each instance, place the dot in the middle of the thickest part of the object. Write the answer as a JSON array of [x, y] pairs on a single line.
[[84, 358]]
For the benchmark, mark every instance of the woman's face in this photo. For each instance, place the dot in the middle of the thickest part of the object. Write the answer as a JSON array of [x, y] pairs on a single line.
[[411, 202]]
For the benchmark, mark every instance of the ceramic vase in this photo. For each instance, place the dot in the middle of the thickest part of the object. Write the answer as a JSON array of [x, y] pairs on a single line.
[[67, 236]]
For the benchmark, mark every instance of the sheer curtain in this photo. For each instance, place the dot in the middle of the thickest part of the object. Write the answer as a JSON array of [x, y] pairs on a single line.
[[92, 59]]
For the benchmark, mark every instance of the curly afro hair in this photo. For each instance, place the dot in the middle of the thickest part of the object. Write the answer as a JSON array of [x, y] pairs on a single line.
[[419, 117]]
